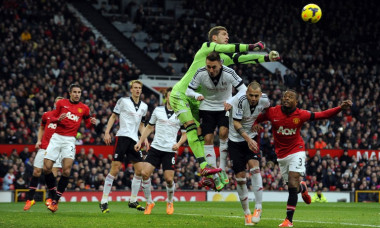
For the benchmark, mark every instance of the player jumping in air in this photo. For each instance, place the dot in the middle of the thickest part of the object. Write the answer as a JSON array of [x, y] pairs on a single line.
[[187, 108], [215, 81]]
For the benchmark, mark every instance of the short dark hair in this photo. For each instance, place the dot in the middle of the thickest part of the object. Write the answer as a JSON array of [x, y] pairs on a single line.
[[167, 91], [215, 31], [293, 91], [74, 86], [213, 56]]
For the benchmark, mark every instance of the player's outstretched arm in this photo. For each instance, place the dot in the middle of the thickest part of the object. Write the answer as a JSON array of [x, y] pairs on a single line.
[[107, 137], [232, 48], [250, 58], [146, 132], [331, 112], [346, 104]]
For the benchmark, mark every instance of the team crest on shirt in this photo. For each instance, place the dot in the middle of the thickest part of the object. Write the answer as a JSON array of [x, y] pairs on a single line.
[[296, 120], [80, 110]]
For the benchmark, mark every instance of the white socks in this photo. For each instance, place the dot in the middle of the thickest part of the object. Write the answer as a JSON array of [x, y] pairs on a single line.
[[223, 149], [136, 183], [243, 194], [107, 188], [257, 184], [146, 185], [170, 192], [210, 155]]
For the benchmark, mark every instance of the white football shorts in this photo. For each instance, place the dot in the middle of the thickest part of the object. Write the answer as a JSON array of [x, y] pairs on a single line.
[[61, 147], [294, 162], [39, 160]]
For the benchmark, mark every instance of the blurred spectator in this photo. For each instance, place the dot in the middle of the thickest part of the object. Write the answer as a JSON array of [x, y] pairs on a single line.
[[8, 180], [25, 36], [320, 144], [318, 197]]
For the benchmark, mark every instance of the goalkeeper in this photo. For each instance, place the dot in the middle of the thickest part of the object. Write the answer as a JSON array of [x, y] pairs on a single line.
[[187, 108]]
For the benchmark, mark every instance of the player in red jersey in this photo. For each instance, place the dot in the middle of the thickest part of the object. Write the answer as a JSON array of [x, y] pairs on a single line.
[[68, 115], [287, 121], [45, 132]]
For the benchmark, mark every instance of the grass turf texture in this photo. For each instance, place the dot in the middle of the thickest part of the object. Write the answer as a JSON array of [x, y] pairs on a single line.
[[188, 214]]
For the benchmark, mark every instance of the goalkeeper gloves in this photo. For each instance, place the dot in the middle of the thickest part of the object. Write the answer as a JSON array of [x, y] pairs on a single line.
[[273, 56], [257, 46]]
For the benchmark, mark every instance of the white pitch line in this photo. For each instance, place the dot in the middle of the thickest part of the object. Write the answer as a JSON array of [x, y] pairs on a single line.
[[279, 219]]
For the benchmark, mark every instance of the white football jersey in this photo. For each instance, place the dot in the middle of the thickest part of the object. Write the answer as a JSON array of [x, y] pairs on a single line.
[[166, 125], [242, 110], [215, 90], [130, 116]]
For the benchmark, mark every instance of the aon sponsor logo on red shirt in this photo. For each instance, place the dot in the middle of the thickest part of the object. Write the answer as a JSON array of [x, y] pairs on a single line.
[[73, 117], [52, 126], [286, 131]]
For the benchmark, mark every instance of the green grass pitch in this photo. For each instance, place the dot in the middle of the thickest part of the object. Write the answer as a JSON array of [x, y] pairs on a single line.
[[189, 214]]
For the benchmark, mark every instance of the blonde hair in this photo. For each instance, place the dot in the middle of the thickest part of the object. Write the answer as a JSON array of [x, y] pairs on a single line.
[[215, 31], [57, 99], [254, 85], [135, 81]]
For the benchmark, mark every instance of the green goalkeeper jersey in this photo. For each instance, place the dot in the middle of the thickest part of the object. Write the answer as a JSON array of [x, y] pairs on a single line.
[[229, 53]]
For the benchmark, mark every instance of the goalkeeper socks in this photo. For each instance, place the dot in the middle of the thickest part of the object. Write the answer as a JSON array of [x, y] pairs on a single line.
[[257, 184], [50, 183], [146, 184], [243, 194], [194, 142], [210, 155], [107, 188], [223, 146], [292, 203], [201, 139], [32, 187], [136, 183], [170, 192]]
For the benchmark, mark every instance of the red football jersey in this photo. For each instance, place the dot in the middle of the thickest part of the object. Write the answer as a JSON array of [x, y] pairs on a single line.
[[75, 113], [49, 129], [286, 128]]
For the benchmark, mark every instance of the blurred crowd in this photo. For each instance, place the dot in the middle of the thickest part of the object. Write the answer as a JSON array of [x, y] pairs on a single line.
[[44, 48], [89, 171], [41, 56]]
